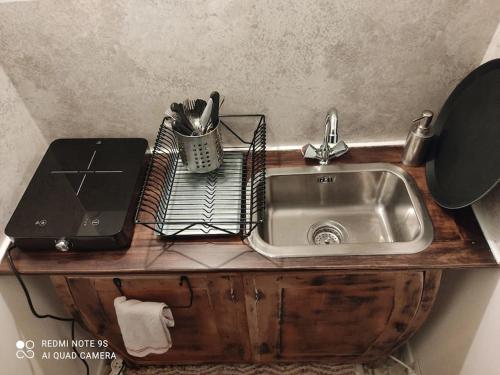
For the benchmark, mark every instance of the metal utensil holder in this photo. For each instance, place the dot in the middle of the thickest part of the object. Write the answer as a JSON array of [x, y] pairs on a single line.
[[201, 153]]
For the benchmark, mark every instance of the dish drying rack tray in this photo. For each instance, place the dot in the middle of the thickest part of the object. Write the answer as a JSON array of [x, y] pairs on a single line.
[[230, 200]]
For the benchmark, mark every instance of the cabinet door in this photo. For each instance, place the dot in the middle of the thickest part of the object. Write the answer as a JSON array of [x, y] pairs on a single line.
[[316, 315], [213, 329]]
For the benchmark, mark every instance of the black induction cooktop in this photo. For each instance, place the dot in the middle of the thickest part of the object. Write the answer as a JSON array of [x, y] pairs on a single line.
[[83, 195]]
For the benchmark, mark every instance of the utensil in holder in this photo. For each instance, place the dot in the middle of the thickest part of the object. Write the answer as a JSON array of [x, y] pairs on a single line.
[[201, 153]]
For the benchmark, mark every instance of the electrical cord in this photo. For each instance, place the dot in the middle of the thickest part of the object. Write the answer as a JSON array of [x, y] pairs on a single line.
[[121, 369], [43, 316], [408, 368], [26, 293]]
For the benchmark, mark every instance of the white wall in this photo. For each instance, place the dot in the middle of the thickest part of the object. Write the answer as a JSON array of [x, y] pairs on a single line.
[[462, 335], [21, 148]]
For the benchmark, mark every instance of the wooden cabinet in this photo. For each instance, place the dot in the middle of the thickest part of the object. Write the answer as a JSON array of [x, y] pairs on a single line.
[[213, 329], [268, 316], [322, 315]]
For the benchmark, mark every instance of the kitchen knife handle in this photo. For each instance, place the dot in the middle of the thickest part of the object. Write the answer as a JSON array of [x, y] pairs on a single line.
[[215, 108]]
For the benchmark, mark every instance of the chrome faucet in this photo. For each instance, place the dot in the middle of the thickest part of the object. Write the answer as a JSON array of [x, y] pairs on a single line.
[[331, 146]]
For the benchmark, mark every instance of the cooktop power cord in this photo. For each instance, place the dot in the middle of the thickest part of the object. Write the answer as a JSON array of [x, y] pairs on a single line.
[[43, 316]]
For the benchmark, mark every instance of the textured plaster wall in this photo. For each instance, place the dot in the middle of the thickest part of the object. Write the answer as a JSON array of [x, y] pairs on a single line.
[[109, 68], [21, 148]]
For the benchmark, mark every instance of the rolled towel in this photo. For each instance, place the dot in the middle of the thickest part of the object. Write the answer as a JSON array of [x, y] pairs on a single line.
[[144, 326]]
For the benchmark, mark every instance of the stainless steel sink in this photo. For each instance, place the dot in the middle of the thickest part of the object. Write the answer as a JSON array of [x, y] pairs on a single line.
[[343, 209]]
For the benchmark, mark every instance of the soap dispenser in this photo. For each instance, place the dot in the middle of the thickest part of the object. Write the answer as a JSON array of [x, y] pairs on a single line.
[[417, 142]]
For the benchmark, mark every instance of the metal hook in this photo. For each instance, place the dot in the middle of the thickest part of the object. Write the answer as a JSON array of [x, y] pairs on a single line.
[[191, 295], [118, 283]]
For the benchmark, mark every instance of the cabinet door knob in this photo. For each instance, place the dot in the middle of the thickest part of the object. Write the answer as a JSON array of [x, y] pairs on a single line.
[[258, 295], [62, 245]]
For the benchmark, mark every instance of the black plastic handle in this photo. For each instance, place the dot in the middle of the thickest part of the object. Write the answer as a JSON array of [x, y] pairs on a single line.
[[215, 108]]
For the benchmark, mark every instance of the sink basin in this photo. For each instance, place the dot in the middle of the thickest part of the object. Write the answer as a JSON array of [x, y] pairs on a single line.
[[342, 209]]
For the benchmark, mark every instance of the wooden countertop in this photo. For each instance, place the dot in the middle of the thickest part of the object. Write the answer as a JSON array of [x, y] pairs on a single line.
[[458, 242]]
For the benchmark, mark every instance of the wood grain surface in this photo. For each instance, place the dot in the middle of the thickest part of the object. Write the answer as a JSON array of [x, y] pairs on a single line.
[[213, 329], [458, 242], [263, 317]]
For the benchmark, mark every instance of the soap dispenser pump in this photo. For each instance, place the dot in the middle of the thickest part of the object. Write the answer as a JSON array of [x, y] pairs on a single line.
[[418, 140]]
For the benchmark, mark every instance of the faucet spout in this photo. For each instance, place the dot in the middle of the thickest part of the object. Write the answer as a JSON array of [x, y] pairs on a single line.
[[331, 146], [331, 127], [330, 137]]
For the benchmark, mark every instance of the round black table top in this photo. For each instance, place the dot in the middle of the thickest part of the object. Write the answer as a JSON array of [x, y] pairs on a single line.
[[464, 161]]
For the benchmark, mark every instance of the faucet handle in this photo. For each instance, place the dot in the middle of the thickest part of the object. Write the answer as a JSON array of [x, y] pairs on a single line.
[[309, 151], [339, 149]]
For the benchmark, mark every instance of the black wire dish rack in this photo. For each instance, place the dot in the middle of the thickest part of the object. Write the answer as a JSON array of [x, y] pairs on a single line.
[[230, 200]]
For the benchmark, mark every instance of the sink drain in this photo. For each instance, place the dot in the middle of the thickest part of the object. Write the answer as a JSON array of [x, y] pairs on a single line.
[[326, 233]]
